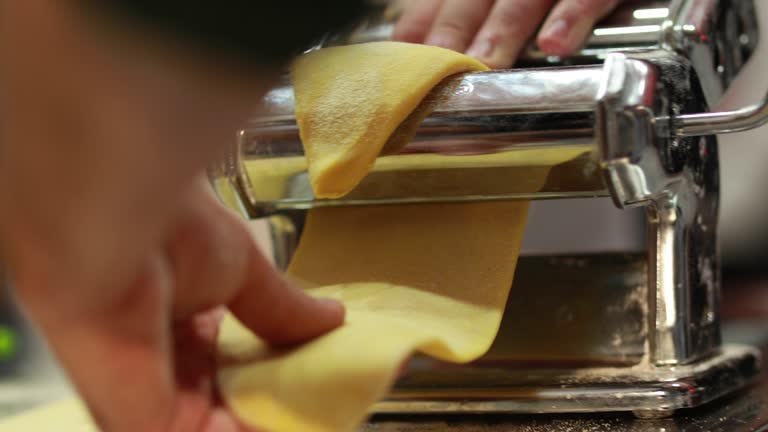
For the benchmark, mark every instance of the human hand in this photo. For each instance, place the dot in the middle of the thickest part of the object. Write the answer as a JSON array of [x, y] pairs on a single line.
[[118, 250], [144, 361], [495, 31]]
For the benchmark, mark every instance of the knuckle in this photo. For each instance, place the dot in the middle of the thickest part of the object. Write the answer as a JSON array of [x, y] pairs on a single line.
[[581, 7], [451, 26], [517, 19], [589, 8], [500, 31], [408, 31], [205, 254], [417, 22], [412, 22]]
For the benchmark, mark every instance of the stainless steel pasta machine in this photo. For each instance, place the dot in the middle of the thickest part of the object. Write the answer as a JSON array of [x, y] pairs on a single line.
[[583, 332]]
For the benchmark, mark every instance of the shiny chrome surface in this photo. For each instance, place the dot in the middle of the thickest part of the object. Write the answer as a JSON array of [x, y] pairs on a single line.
[[740, 120], [677, 180], [489, 113], [743, 411], [633, 26], [648, 391], [504, 111], [494, 92], [722, 34], [717, 36], [594, 305]]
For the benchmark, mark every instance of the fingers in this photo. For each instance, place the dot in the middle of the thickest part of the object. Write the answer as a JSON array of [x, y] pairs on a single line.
[[216, 261], [207, 252], [118, 358], [570, 23], [507, 30], [222, 420], [495, 32], [416, 20], [198, 407], [122, 362], [457, 22], [279, 311]]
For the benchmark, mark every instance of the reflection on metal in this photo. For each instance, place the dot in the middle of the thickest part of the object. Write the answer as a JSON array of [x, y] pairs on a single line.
[[745, 412], [677, 181], [646, 391], [717, 36], [721, 122], [634, 106], [656, 13], [593, 305], [613, 31], [284, 238]]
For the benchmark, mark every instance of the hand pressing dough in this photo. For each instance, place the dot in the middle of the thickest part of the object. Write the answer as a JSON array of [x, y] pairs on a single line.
[[432, 278], [350, 100]]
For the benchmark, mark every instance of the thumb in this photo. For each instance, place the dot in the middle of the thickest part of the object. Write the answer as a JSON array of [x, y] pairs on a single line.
[[217, 261], [279, 311]]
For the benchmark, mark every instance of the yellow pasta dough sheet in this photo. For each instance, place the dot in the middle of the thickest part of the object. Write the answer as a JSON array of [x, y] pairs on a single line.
[[426, 277], [351, 99], [432, 278]]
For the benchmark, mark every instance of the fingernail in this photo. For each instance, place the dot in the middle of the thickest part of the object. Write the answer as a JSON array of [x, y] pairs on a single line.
[[441, 40], [555, 39], [331, 303], [557, 30], [220, 420], [482, 48]]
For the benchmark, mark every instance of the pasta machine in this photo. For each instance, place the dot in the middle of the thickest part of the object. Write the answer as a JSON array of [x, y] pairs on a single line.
[[583, 332]]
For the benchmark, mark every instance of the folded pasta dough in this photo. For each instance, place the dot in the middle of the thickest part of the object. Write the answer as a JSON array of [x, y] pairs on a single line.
[[350, 100]]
